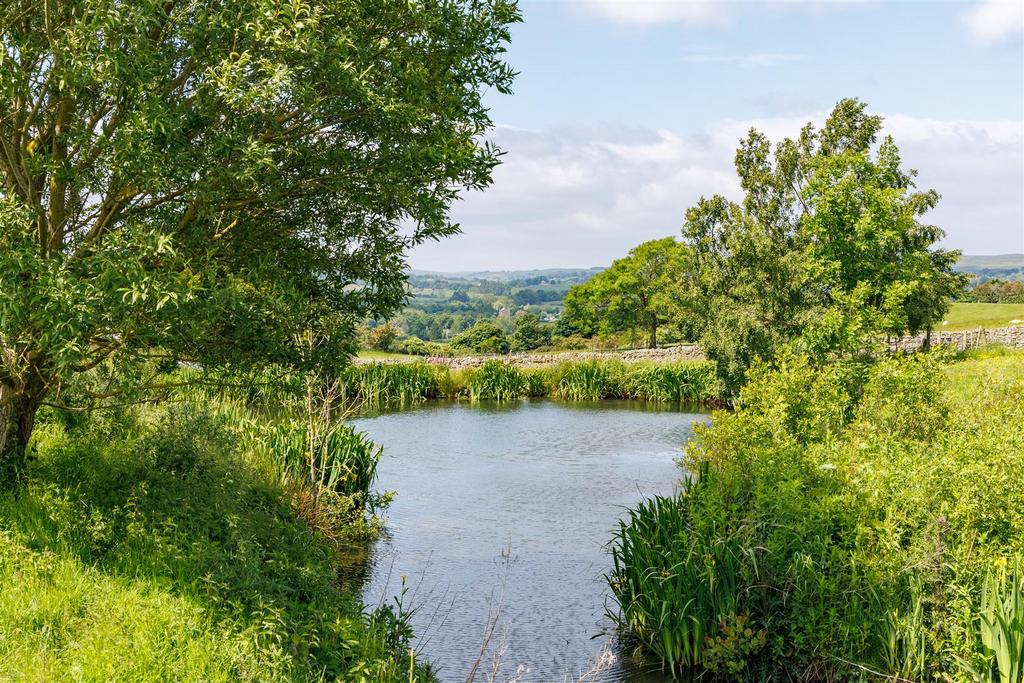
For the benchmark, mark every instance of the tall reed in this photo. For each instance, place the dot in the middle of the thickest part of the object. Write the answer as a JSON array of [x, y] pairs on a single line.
[[678, 590]]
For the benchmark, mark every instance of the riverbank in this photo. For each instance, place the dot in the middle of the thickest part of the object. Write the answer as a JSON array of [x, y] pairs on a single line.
[[846, 519], [151, 544]]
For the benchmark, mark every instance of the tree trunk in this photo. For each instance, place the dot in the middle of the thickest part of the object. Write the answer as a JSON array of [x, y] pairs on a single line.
[[17, 420], [927, 339], [653, 342]]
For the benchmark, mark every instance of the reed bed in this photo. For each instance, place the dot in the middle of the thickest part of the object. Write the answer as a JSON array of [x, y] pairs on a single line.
[[401, 384]]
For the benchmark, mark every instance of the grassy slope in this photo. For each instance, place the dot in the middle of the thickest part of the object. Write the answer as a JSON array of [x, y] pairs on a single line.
[[967, 316], [170, 557]]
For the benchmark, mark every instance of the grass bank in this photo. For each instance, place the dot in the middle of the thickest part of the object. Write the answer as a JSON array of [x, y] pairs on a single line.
[[379, 384], [853, 522], [969, 316], [162, 544]]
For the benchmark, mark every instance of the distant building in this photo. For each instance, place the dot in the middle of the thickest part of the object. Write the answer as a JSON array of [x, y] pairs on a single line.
[[504, 312]]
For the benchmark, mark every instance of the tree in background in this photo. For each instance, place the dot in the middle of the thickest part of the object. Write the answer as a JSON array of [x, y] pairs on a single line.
[[642, 291], [483, 337], [530, 333], [825, 250], [208, 181]]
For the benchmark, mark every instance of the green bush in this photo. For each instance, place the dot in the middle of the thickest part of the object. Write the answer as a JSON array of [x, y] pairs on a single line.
[[483, 337], [851, 512]]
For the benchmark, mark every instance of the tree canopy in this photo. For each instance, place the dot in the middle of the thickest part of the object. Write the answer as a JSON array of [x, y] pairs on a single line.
[[641, 291], [826, 248], [205, 180]]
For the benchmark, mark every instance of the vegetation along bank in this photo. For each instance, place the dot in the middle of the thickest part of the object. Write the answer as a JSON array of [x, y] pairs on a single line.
[[858, 521], [402, 384]]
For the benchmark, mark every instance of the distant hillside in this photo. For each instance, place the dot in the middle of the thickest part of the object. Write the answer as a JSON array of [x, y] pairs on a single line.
[[548, 274], [1002, 266]]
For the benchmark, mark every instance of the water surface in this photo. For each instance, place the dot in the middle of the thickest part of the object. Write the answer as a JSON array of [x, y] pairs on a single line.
[[507, 510]]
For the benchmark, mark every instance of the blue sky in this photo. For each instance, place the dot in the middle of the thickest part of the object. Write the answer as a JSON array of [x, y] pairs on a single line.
[[625, 112]]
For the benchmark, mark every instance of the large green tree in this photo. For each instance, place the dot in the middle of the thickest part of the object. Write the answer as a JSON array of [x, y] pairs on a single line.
[[826, 250], [206, 179], [641, 291]]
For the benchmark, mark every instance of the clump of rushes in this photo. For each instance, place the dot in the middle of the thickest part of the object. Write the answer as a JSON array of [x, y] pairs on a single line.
[[380, 384], [498, 381], [589, 381], [678, 382], [678, 590], [401, 384]]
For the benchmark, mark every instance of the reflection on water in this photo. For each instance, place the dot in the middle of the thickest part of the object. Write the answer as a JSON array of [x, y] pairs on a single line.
[[508, 508]]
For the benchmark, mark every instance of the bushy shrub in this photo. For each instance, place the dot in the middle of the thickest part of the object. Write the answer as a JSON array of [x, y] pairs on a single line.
[[483, 337], [530, 333], [996, 291], [850, 511], [382, 337], [414, 346]]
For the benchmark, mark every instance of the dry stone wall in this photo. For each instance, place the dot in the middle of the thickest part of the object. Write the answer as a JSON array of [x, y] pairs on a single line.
[[666, 355], [963, 340]]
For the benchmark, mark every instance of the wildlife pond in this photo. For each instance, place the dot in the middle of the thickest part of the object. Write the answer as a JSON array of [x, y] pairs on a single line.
[[501, 521]]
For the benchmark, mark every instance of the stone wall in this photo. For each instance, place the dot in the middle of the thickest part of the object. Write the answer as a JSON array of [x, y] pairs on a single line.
[[666, 355], [1012, 337]]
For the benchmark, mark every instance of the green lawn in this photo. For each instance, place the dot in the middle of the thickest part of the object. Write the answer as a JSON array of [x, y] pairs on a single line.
[[970, 316]]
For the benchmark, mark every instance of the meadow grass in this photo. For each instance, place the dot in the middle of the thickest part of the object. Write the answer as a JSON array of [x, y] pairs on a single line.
[[150, 546], [844, 519], [968, 316]]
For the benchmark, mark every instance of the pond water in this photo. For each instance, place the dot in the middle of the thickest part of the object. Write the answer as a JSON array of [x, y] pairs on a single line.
[[502, 517]]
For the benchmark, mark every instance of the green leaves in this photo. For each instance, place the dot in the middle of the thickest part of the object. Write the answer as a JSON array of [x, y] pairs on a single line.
[[215, 178], [825, 251], [641, 292]]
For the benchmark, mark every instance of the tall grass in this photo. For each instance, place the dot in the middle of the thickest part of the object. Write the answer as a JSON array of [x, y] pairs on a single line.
[[401, 384], [679, 591]]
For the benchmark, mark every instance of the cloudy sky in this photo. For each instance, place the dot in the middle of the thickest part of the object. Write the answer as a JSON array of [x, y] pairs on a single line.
[[627, 111]]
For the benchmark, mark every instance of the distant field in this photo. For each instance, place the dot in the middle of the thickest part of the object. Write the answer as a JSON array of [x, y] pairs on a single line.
[[380, 355], [969, 316]]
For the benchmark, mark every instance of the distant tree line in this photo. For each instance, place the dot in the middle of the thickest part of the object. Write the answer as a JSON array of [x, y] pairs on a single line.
[[996, 292]]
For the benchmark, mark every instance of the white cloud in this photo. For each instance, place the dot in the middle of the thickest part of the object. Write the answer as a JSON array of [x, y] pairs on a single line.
[[584, 196], [750, 61], [694, 12], [995, 21]]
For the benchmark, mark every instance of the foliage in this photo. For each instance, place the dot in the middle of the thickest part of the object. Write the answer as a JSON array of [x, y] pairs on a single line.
[[641, 291], [483, 337], [530, 333], [414, 346], [148, 546], [996, 291], [207, 180], [1001, 625], [851, 511], [381, 337], [825, 251]]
